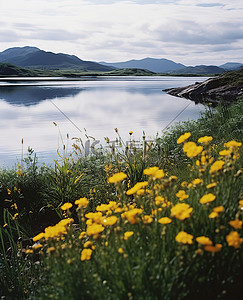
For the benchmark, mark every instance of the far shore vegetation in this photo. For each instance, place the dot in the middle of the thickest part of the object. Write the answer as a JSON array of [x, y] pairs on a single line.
[[160, 221]]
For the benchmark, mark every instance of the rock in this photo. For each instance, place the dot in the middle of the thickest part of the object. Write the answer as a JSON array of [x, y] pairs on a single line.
[[224, 89]]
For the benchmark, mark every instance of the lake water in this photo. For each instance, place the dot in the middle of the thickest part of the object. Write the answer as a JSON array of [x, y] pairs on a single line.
[[29, 108]]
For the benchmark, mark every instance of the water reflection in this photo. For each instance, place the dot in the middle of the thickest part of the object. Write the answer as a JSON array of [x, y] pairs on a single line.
[[32, 95], [28, 112]]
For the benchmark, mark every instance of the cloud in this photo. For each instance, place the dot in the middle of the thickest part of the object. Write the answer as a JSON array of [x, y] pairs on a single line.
[[122, 30]]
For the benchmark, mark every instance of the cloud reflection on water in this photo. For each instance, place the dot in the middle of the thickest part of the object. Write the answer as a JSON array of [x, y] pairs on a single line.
[[99, 107]]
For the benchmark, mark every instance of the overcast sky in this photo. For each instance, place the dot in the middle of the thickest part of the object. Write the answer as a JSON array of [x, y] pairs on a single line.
[[191, 32]]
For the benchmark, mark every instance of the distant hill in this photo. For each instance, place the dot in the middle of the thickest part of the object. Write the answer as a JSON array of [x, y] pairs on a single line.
[[131, 72], [152, 64], [32, 57], [202, 70], [11, 70], [230, 66]]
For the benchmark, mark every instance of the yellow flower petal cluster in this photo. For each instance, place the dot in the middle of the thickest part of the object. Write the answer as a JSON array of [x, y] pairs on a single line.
[[203, 240], [211, 185], [181, 211], [191, 149], [207, 198], [137, 187], [117, 177], [82, 202], [233, 144], [38, 237], [154, 172], [205, 139], [66, 206], [225, 152], [94, 229], [216, 166], [183, 137], [213, 249], [197, 181], [147, 219], [165, 220], [57, 230], [109, 221], [181, 194], [218, 209], [127, 234], [184, 238], [233, 239], [237, 224], [131, 215], [86, 254]]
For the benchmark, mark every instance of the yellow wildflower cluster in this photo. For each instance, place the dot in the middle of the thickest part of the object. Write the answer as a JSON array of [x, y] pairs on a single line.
[[155, 206]]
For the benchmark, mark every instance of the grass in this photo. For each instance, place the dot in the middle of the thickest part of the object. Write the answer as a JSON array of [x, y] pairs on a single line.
[[128, 248]]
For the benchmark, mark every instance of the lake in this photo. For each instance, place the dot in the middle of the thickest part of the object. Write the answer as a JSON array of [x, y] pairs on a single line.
[[89, 107]]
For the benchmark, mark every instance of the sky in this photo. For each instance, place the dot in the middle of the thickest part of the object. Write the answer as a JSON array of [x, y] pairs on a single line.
[[191, 32]]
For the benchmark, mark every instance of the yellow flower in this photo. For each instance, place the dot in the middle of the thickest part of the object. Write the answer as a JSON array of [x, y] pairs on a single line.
[[182, 195], [131, 215], [218, 209], [86, 254], [94, 229], [137, 187], [66, 206], [213, 249], [154, 172], [117, 177], [184, 237], [29, 251], [225, 152], [207, 198], [127, 234], [181, 211], [37, 246], [50, 249], [159, 200], [95, 217], [205, 139], [38, 237], [165, 220], [82, 202], [232, 144], [211, 185], [88, 244], [233, 239], [120, 250], [183, 137], [197, 181], [203, 240], [82, 234], [147, 219], [109, 221], [184, 184], [191, 149], [213, 215], [237, 224], [216, 166]]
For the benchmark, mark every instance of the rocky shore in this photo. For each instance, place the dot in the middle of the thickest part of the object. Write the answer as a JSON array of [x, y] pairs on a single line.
[[226, 88]]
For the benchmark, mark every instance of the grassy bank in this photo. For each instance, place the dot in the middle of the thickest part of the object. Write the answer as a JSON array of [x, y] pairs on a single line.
[[159, 222]]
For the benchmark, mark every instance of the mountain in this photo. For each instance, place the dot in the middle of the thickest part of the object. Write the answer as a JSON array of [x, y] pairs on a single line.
[[231, 66], [32, 57], [10, 53], [200, 70], [152, 64]]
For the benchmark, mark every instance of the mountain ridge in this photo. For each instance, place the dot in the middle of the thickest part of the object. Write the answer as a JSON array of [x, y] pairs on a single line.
[[32, 57]]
